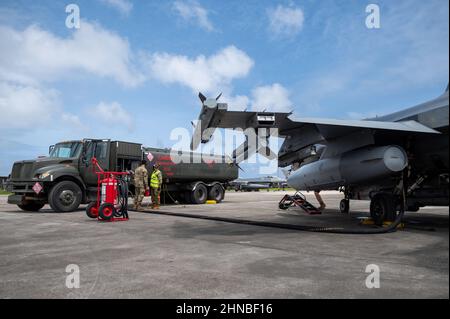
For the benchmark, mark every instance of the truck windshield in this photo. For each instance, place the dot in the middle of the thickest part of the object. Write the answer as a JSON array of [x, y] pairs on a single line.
[[66, 150]]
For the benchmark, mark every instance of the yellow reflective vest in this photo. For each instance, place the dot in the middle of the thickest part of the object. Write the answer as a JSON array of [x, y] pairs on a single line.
[[156, 179]]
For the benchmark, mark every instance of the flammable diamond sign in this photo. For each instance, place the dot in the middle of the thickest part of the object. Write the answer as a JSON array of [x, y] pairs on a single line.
[[37, 188]]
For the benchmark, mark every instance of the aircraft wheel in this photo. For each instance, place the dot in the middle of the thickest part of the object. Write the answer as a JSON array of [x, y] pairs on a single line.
[[344, 206], [382, 208]]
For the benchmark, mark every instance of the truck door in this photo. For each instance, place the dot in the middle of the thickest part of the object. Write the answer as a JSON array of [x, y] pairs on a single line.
[[101, 150]]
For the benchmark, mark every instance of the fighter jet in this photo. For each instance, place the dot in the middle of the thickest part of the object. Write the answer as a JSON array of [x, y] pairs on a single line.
[[397, 158]]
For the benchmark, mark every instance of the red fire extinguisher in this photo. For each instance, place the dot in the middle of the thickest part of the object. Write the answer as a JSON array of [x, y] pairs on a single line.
[[109, 190]]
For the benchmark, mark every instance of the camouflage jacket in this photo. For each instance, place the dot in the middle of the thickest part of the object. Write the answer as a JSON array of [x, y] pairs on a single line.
[[141, 177]]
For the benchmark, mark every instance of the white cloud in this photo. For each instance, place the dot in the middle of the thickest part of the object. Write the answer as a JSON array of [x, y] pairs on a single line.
[[193, 11], [112, 113], [285, 21], [237, 102], [123, 6], [273, 98], [35, 55], [33, 58], [209, 75], [72, 120], [26, 107]]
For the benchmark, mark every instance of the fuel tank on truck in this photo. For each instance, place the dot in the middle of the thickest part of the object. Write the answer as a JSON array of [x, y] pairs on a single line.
[[188, 166], [353, 167]]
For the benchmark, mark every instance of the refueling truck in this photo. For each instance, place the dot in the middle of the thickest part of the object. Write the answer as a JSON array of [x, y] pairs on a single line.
[[66, 178]]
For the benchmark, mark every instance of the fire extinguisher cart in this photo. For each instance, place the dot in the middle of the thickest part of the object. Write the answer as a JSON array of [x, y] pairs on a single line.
[[112, 196]]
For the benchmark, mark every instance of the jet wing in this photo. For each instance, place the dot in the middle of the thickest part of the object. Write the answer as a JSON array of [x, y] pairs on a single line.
[[332, 128], [302, 132], [328, 128]]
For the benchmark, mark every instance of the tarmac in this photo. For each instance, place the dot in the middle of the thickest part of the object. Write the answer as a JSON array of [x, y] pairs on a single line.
[[157, 256]]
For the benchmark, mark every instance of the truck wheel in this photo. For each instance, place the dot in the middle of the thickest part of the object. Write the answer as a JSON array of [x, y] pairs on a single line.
[[65, 196], [199, 195], [106, 211], [91, 210], [216, 192], [382, 208], [31, 207]]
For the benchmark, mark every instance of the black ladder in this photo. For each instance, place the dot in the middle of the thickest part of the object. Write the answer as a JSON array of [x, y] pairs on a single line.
[[298, 200]]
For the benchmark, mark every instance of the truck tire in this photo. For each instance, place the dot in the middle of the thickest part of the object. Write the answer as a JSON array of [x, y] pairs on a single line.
[[216, 192], [65, 196], [199, 195], [31, 207]]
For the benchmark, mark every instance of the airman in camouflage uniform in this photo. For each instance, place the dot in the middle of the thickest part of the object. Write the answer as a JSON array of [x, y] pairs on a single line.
[[140, 184]]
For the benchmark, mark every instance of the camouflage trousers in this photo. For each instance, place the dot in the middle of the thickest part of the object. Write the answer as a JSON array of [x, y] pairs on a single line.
[[155, 196], [139, 196]]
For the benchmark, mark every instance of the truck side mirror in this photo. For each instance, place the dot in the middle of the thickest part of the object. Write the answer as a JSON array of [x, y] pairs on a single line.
[[84, 159], [84, 156], [50, 149]]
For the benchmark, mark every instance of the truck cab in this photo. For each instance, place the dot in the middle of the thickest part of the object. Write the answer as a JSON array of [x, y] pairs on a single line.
[[65, 178]]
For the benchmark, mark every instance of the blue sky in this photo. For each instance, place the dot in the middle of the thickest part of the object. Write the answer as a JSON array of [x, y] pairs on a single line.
[[132, 70]]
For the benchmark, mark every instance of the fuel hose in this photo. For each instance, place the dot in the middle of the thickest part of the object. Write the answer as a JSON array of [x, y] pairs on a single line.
[[316, 229], [122, 193]]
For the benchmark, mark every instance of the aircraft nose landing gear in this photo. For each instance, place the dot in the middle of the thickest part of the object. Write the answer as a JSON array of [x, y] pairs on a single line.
[[344, 206]]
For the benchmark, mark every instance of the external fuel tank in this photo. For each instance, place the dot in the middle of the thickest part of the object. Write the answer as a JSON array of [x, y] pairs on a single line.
[[357, 166]]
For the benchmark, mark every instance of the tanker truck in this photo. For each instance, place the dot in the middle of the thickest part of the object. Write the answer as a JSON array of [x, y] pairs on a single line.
[[65, 178], [192, 178]]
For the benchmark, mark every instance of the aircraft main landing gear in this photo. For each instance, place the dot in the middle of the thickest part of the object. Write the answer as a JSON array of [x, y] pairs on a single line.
[[383, 208]]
